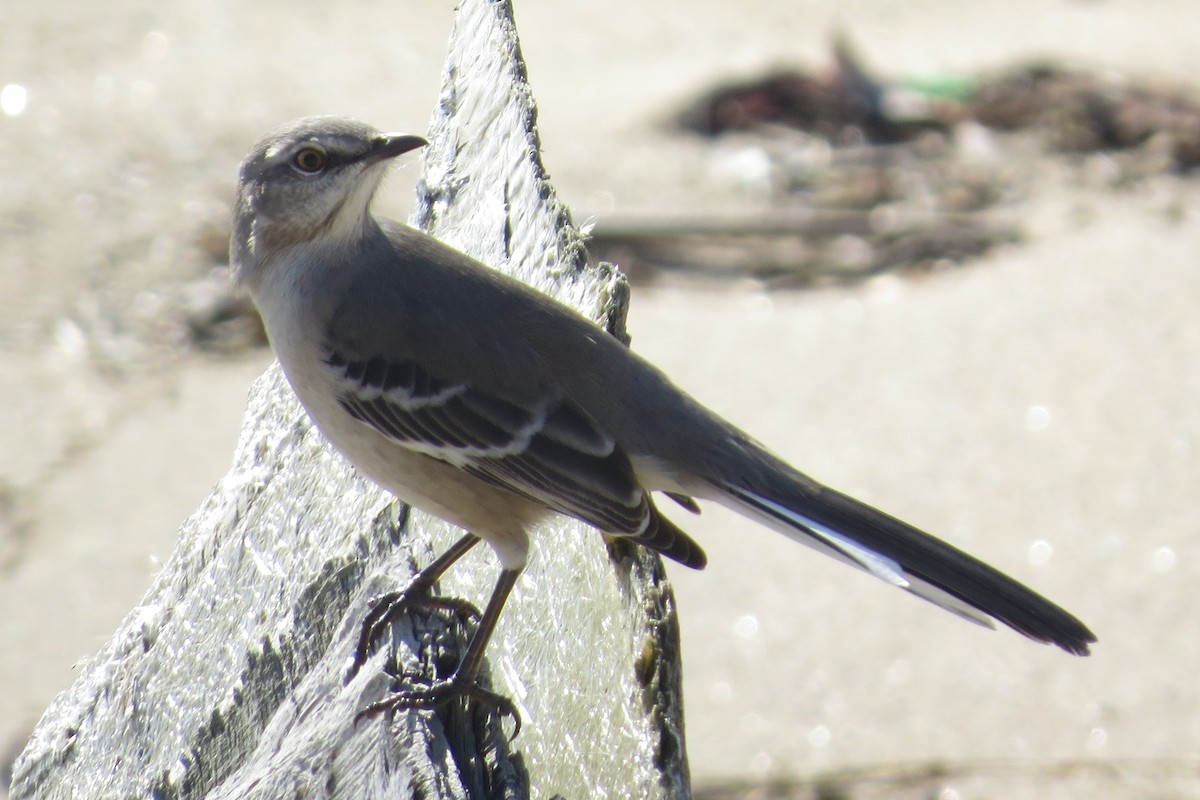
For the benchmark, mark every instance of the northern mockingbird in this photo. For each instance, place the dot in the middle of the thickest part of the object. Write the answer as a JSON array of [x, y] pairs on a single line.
[[478, 399]]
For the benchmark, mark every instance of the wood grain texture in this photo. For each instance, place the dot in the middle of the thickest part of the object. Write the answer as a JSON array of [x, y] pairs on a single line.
[[228, 679]]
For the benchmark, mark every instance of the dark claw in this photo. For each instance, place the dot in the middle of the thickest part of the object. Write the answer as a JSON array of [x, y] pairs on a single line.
[[382, 608], [463, 684], [387, 607], [501, 705], [463, 609], [438, 695]]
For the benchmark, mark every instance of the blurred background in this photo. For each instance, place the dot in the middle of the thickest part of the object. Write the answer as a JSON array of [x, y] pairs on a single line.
[[940, 255]]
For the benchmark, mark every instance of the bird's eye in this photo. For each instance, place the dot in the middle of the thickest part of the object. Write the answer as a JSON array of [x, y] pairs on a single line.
[[309, 159]]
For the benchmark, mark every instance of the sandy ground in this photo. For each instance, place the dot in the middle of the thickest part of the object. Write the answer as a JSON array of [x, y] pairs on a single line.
[[1037, 407]]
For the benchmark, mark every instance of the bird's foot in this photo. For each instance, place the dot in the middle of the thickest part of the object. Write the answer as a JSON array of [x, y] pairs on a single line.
[[438, 694], [388, 608]]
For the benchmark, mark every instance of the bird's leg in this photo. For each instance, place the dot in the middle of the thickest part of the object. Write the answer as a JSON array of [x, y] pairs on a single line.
[[463, 682], [387, 607]]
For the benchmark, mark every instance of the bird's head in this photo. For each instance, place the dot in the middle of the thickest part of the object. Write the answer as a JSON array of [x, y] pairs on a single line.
[[311, 180]]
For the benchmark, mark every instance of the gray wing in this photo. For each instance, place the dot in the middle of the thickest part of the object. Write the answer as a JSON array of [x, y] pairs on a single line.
[[552, 453]]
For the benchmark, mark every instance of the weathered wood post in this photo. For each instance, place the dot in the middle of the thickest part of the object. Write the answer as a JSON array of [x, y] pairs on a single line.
[[228, 679]]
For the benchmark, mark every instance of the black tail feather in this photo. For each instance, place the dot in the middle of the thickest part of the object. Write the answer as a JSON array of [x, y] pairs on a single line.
[[924, 561]]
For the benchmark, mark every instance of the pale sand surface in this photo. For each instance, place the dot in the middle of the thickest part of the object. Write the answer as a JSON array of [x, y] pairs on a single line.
[[1037, 407]]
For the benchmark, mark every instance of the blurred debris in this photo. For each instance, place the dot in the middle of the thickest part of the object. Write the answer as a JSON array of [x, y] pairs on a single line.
[[861, 175], [118, 334], [1083, 112], [213, 317], [1075, 110], [798, 249], [206, 313], [845, 105]]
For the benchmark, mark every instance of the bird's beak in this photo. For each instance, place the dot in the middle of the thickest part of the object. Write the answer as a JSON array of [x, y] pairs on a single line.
[[390, 145]]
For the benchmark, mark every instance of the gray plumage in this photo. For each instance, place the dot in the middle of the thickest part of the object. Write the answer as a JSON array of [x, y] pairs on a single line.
[[480, 400]]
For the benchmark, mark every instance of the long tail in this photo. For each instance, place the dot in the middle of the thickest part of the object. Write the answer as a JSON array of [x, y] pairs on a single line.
[[904, 556]]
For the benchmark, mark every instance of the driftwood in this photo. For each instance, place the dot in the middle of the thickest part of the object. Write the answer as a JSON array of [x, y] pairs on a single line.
[[229, 679], [790, 248]]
